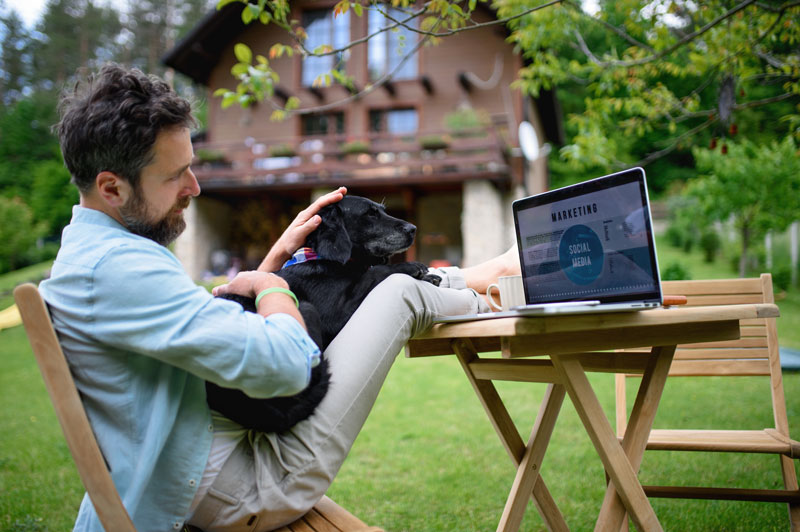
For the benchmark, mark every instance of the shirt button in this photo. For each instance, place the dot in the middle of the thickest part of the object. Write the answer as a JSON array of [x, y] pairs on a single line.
[[211, 428], [192, 482], [176, 525]]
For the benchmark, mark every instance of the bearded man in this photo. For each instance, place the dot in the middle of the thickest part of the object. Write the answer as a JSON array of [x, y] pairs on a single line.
[[141, 338]]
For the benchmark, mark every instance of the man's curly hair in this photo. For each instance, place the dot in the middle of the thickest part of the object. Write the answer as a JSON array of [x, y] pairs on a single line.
[[109, 122]]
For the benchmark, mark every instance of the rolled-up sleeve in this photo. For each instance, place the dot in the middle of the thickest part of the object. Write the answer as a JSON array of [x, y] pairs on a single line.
[[143, 302]]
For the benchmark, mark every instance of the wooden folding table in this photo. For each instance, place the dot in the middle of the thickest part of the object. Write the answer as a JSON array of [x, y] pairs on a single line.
[[561, 350]]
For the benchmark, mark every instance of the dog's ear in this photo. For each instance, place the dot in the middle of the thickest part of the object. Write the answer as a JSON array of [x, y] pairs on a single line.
[[330, 240]]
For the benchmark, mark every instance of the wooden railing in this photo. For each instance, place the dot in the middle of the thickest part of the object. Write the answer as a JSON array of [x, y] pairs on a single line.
[[304, 162]]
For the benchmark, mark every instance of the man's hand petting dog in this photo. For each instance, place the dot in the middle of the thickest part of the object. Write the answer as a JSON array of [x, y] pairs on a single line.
[[344, 258], [249, 284]]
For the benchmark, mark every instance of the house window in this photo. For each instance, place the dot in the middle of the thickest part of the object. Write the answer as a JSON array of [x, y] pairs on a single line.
[[388, 48], [393, 121], [324, 29], [323, 124]]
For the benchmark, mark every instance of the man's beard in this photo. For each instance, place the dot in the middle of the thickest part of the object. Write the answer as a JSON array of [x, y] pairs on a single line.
[[136, 217]]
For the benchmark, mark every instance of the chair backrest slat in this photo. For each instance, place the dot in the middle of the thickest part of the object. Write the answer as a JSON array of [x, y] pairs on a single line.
[[69, 410], [748, 355]]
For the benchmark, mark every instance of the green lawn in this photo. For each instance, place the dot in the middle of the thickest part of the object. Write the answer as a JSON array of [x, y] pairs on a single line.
[[428, 458]]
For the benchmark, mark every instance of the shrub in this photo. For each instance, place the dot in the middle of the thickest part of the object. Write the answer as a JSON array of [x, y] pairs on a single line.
[[355, 147], [282, 150], [711, 243], [782, 277], [433, 142], [18, 232], [675, 272]]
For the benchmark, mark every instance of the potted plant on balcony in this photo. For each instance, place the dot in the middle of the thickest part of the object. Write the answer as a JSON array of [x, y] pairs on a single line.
[[434, 142], [355, 147], [282, 150], [467, 122], [211, 158], [356, 151]]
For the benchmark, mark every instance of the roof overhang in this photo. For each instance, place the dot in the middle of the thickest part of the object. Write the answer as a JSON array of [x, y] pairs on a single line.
[[200, 50]]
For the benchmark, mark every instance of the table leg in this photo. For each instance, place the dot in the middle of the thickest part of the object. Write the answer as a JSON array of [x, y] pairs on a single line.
[[528, 469], [614, 459], [638, 430], [512, 441]]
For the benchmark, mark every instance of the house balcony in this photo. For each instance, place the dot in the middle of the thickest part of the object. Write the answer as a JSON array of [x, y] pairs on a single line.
[[375, 160]]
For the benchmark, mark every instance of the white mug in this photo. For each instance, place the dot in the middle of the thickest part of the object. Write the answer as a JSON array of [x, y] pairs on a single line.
[[510, 290]]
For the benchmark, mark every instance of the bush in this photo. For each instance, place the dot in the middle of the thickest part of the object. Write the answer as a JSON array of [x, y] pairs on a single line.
[[675, 272], [18, 233], [355, 147], [711, 243], [782, 277]]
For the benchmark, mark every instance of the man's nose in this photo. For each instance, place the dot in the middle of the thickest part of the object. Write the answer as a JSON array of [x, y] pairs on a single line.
[[192, 185]]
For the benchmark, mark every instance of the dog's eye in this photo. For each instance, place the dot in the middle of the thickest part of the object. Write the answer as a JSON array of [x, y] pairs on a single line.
[[372, 212]]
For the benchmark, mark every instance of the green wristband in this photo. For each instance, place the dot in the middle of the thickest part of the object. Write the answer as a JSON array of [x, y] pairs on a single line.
[[278, 290]]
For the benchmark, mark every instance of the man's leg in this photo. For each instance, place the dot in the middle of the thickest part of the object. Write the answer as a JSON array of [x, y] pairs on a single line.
[[293, 470]]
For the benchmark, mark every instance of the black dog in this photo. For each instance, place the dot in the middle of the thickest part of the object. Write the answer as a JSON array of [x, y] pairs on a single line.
[[353, 245]]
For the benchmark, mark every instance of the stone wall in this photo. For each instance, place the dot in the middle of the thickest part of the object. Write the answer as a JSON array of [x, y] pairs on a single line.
[[207, 226]]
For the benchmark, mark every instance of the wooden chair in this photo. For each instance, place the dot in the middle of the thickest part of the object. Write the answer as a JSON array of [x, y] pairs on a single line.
[[326, 515], [754, 354]]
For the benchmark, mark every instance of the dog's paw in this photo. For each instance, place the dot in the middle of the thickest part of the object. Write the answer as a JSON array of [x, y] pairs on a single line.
[[434, 279], [417, 270]]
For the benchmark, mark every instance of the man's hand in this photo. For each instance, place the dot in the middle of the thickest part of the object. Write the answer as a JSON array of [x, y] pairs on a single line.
[[252, 283], [295, 235], [249, 284]]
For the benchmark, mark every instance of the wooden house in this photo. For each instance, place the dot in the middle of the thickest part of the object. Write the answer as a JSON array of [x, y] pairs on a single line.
[[438, 144]]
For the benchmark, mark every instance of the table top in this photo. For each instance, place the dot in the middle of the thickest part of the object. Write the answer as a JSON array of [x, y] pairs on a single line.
[[570, 333]]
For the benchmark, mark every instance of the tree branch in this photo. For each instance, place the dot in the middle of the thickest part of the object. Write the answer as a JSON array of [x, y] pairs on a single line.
[[619, 32], [667, 51], [669, 149]]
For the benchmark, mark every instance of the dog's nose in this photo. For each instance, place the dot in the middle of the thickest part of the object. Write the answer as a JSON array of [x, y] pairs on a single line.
[[411, 229]]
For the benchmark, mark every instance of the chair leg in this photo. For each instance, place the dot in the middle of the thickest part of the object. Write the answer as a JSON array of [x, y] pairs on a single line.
[[790, 483]]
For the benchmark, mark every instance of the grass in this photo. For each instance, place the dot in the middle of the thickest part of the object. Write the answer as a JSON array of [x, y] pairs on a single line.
[[428, 458]]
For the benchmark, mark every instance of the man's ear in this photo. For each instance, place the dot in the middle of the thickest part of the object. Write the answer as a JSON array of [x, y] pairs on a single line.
[[112, 189]]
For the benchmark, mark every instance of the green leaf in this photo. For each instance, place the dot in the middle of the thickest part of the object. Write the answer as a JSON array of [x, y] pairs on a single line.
[[292, 103], [239, 69], [229, 100], [265, 17], [358, 9], [250, 13], [220, 92], [243, 53]]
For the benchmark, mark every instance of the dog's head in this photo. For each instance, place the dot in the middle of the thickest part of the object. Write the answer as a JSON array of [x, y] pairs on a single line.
[[360, 229]]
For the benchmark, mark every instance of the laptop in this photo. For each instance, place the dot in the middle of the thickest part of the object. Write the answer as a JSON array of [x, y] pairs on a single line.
[[585, 248]]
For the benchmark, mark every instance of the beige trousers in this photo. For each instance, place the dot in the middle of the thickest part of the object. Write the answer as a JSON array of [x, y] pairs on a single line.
[[272, 479]]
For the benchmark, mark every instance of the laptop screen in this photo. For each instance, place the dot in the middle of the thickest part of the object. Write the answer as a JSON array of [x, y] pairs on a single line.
[[590, 241]]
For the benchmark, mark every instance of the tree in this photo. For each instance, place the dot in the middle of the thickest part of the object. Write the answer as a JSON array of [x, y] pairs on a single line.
[[757, 185], [671, 73], [14, 58], [155, 26], [25, 139], [74, 34], [52, 196], [18, 232]]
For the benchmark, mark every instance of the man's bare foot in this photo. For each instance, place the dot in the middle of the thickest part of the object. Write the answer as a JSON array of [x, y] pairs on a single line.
[[480, 276]]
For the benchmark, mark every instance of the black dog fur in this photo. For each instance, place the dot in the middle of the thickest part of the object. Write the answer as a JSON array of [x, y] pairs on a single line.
[[353, 243]]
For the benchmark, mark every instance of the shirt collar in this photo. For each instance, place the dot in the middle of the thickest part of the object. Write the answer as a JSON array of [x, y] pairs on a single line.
[[95, 217]]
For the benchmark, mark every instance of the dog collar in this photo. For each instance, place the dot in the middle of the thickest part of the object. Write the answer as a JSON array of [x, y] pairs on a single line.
[[301, 255]]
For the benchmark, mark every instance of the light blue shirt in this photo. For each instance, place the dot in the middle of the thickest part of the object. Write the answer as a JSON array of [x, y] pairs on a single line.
[[141, 338]]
